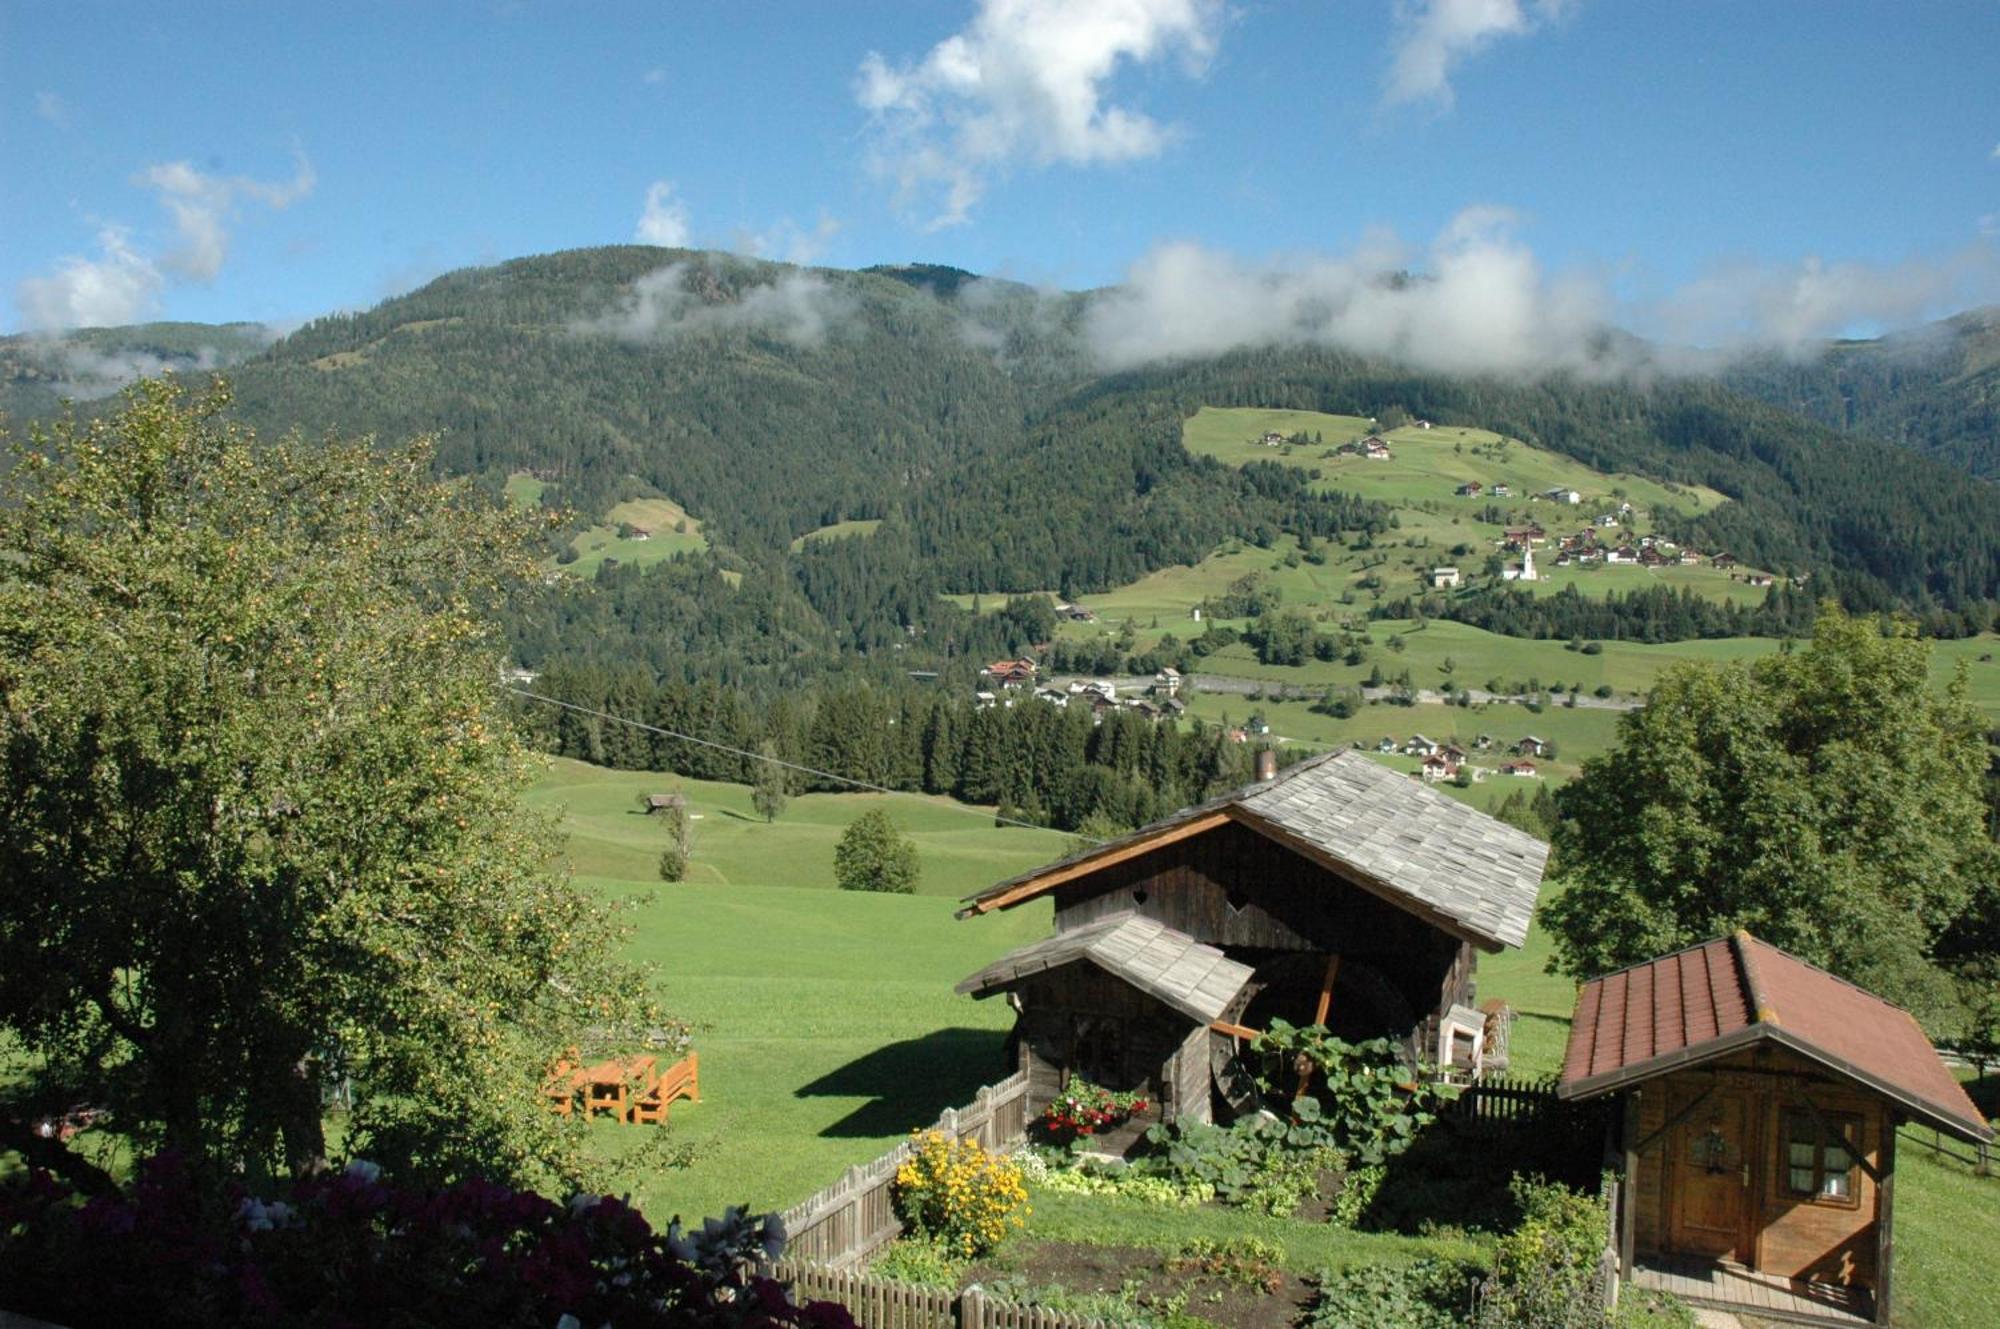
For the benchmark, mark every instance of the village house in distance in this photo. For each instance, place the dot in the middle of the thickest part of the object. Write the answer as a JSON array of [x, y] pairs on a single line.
[[1338, 891]]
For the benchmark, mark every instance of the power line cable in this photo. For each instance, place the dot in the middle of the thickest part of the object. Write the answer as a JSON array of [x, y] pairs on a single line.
[[775, 761]]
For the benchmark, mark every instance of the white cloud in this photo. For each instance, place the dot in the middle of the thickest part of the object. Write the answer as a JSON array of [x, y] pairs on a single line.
[[1790, 307], [1436, 35], [796, 306], [1477, 301], [120, 285], [53, 109], [1995, 154], [1028, 80], [202, 206], [788, 242], [1480, 304], [664, 221], [654, 76]]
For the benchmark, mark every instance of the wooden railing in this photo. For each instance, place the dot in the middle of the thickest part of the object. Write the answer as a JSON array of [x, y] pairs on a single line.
[[852, 1218], [1500, 1099]]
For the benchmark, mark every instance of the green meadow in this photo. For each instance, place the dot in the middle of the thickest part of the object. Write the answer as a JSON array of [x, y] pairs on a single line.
[[1427, 464], [669, 531], [825, 1019], [840, 530]]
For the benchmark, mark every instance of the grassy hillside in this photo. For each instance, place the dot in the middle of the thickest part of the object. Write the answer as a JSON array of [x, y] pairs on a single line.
[[825, 1018], [1429, 463], [840, 530], [959, 847]]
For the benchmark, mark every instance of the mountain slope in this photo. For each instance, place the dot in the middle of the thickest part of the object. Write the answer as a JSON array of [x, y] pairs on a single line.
[[1935, 389], [37, 372], [965, 415]]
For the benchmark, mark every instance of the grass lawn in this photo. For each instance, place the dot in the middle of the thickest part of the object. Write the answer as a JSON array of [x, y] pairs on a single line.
[[840, 530], [1947, 1239], [524, 490], [825, 1019], [1309, 1247], [1430, 463], [959, 849], [662, 518]]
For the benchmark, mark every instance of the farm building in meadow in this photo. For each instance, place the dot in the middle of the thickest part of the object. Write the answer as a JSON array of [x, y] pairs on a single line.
[[1338, 890], [1761, 1100]]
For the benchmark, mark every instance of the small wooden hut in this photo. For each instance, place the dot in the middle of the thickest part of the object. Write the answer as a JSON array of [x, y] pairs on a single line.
[[1338, 890], [1758, 1139]]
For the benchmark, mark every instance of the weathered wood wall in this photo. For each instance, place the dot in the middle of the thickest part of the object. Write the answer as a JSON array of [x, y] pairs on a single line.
[[1235, 889], [1079, 1020]]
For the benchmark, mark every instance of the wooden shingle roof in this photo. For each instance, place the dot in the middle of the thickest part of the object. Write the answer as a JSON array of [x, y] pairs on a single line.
[[1450, 864], [1723, 996], [1197, 980]]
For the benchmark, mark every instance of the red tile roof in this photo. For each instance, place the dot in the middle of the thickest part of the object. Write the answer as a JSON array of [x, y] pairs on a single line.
[[1724, 995]]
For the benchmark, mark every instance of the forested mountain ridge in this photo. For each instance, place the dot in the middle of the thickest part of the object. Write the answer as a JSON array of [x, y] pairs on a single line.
[[968, 416], [37, 372], [1934, 389]]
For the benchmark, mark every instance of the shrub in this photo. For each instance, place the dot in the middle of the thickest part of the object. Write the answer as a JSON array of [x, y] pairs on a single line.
[[352, 1248], [1428, 1294], [1546, 1271], [919, 1263], [954, 1193], [872, 855]]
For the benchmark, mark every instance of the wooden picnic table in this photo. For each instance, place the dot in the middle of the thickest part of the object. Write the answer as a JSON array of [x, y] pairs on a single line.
[[624, 1087]]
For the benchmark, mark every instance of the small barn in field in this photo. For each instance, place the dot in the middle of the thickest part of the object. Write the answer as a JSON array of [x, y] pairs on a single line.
[[1339, 891], [1761, 1098]]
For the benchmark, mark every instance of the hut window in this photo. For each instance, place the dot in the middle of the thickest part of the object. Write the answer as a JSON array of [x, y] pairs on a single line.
[[1819, 1167]]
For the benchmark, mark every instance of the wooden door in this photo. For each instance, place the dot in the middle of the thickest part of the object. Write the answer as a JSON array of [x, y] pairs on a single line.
[[1709, 1177]]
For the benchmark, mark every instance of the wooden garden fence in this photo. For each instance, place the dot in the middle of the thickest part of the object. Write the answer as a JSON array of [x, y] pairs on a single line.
[[852, 1218], [879, 1304]]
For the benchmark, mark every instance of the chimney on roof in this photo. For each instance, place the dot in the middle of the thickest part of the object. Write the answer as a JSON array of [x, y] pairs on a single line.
[[1267, 764]]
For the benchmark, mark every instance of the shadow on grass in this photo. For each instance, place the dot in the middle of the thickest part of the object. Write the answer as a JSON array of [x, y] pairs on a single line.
[[911, 1082]]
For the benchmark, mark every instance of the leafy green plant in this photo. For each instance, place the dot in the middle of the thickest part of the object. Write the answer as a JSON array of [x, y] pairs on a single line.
[[1427, 1294], [1248, 1262], [918, 1262], [1358, 1190], [1360, 1097]]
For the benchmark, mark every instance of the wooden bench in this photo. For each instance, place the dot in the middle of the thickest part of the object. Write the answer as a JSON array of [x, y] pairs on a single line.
[[680, 1080], [560, 1088]]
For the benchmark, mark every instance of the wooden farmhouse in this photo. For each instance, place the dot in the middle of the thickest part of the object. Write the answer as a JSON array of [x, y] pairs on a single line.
[[1761, 1099], [1338, 891]]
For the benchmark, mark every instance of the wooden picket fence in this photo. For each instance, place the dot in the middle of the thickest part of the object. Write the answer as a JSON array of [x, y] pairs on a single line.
[[1500, 1099], [854, 1217], [878, 1304]]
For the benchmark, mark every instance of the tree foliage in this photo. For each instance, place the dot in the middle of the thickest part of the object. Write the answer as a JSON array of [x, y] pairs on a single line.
[[1824, 798], [259, 832], [872, 855]]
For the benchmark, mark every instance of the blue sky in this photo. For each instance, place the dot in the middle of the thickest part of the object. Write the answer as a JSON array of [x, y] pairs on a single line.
[[1706, 170]]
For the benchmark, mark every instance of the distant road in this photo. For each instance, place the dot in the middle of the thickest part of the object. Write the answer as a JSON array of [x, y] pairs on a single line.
[[1243, 687], [1246, 686]]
